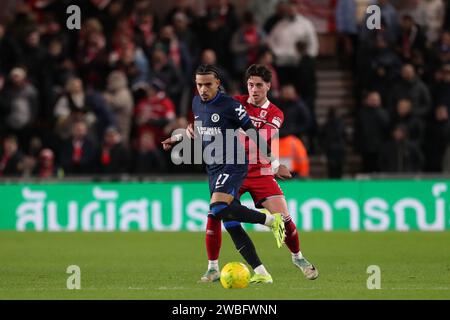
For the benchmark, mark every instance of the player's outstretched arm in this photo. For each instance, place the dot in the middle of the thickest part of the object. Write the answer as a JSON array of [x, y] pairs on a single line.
[[169, 142]]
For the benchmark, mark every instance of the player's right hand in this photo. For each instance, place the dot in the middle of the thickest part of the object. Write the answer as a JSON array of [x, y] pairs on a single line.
[[283, 172], [167, 144], [190, 131]]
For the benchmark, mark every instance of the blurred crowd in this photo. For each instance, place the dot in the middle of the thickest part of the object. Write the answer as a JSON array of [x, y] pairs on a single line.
[[402, 71], [100, 99]]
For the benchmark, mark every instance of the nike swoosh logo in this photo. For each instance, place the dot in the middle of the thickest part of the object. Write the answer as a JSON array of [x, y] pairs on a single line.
[[195, 117]]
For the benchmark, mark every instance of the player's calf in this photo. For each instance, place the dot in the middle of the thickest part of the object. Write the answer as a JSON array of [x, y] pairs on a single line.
[[244, 245], [292, 240], [213, 238]]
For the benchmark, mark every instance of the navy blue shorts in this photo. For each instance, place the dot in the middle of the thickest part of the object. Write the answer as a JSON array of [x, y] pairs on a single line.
[[227, 180]]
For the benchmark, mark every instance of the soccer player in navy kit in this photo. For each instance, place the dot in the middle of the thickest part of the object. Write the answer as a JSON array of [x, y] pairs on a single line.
[[214, 113]]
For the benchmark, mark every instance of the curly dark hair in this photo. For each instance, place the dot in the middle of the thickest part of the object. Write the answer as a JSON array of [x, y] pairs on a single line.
[[258, 70]]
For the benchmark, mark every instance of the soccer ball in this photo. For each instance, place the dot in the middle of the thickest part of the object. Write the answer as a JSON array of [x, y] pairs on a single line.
[[235, 275]]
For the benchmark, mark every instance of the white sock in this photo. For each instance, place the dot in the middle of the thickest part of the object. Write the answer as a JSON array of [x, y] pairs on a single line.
[[269, 220], [261, 270], [297, 255], [213, 264]]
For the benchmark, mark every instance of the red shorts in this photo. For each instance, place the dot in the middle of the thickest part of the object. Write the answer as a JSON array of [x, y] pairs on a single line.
[[260, 188]]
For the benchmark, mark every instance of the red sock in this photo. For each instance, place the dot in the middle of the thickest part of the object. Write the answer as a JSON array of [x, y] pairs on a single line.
[[213, 238], [292, 241]]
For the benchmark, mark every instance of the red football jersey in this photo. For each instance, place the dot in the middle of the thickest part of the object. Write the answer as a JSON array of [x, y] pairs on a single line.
[[268, 117]]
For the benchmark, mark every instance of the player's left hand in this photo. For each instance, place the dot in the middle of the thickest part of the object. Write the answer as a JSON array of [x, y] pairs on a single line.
[[283, 172]]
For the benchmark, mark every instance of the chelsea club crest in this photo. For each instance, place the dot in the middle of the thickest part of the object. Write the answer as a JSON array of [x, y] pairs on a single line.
[[215, 117]]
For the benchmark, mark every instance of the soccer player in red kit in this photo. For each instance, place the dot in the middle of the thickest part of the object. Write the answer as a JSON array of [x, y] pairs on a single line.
[[262, 186]]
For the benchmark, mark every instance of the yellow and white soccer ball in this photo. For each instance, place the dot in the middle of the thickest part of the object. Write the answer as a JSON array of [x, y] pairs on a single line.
[[235, 275]]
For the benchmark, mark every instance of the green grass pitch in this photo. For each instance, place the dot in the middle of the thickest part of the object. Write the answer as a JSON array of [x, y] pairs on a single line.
[[167, 265]]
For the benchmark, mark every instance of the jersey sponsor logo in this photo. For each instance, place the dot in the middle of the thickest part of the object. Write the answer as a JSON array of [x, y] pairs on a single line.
[[215, 117], [209, 131], [276, 121], [241, 112]]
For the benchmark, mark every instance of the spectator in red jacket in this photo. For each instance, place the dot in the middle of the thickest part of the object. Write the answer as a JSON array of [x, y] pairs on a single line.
[[155, 111]]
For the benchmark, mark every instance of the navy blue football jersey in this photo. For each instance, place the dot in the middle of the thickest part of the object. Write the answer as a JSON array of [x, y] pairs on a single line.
[[217, 123]]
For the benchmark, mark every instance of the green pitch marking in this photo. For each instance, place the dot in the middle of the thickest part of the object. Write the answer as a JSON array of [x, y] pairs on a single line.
[[168, 265]]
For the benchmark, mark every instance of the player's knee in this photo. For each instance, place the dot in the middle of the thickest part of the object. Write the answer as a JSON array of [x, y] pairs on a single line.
[[210, 215], [217, 209], [235, 202]]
